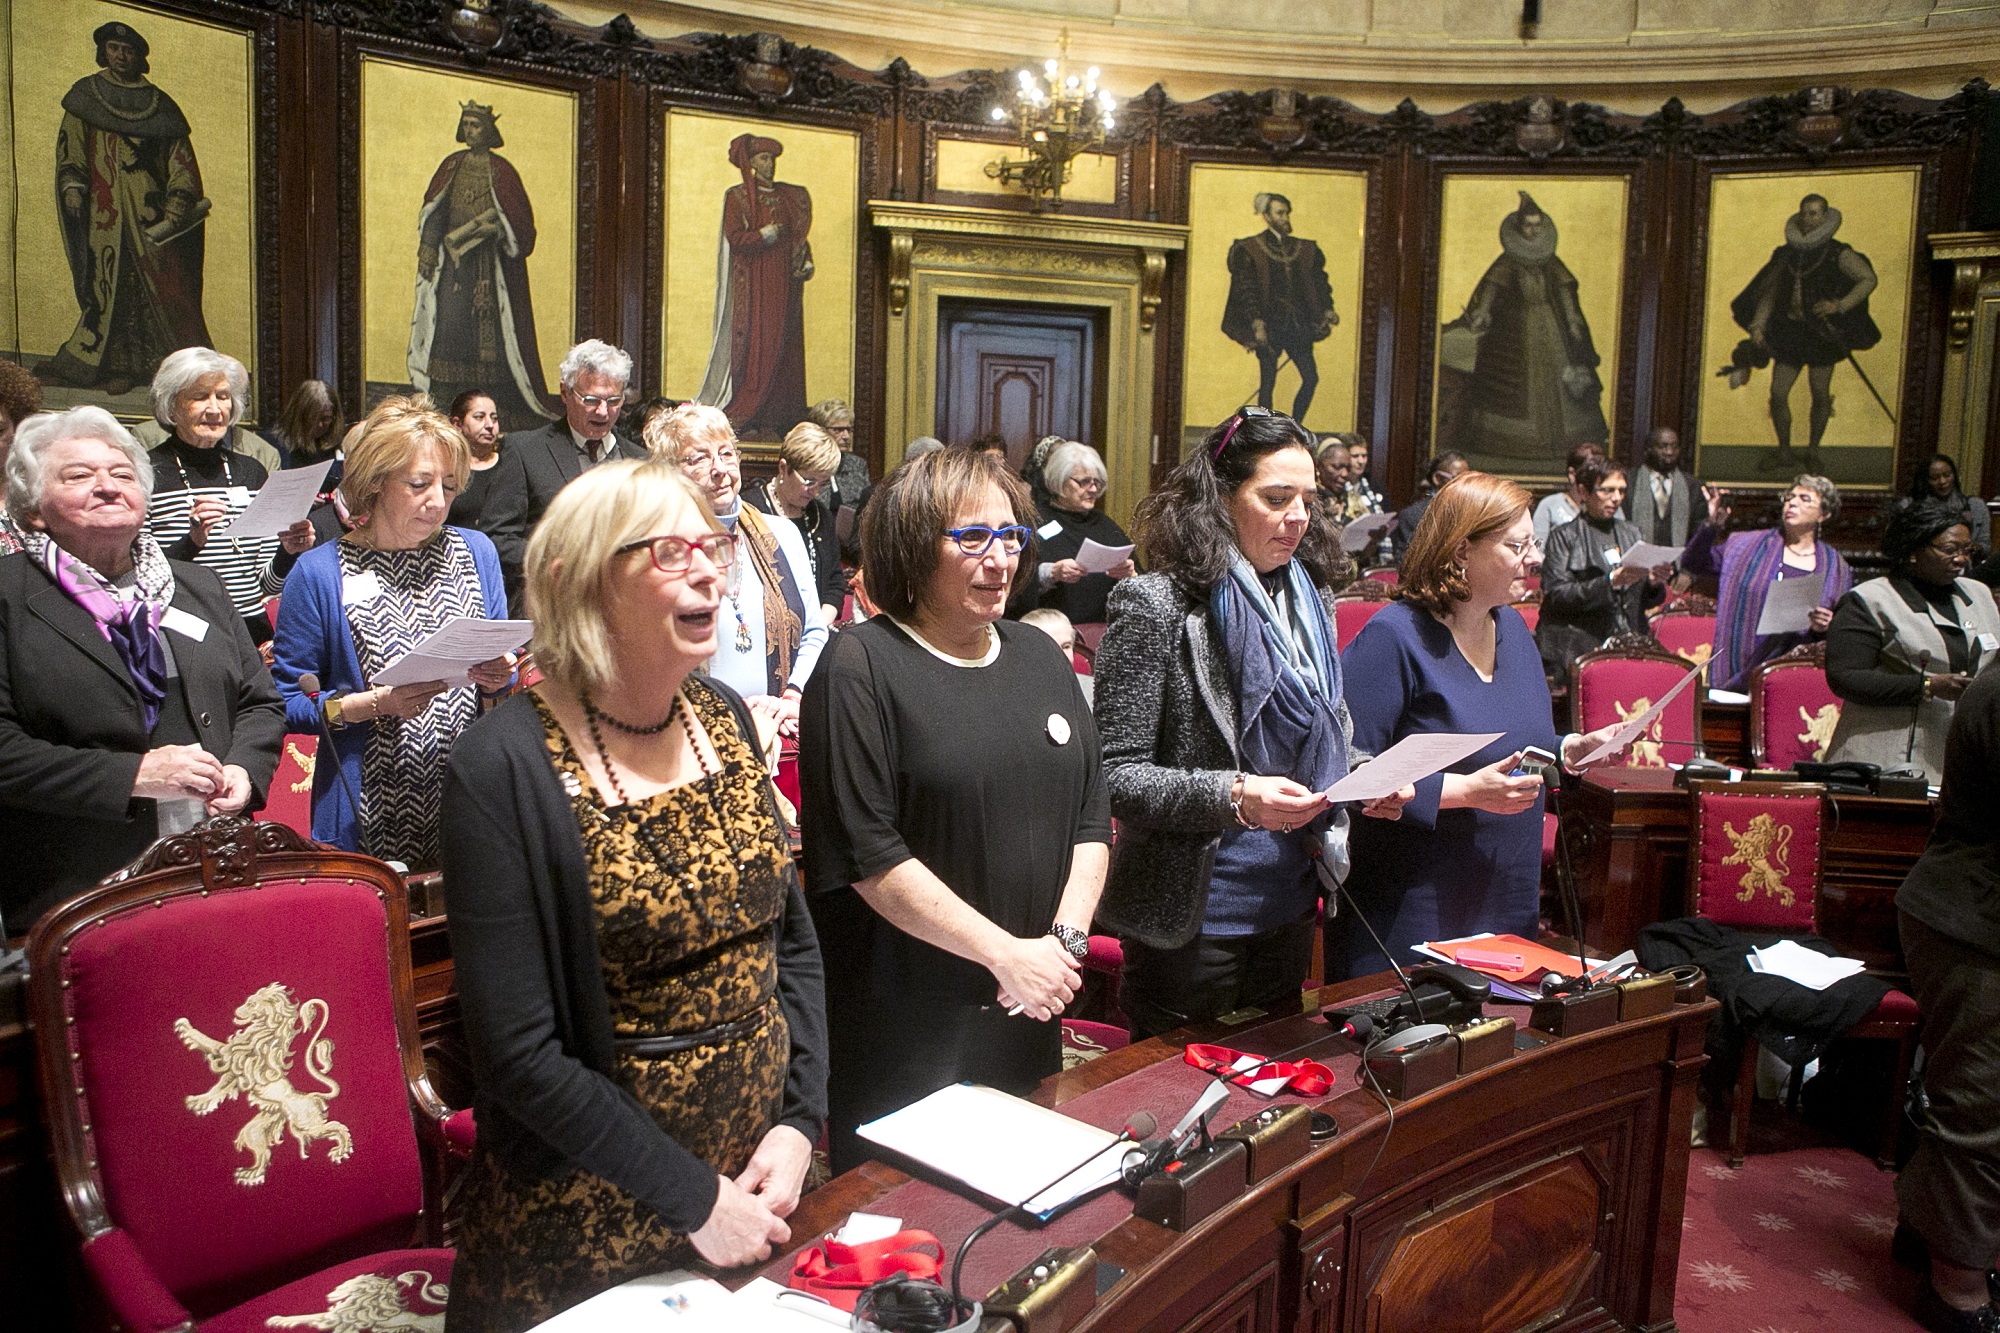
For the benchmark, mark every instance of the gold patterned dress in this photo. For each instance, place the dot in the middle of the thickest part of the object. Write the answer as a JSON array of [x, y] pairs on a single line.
[[688, 886]]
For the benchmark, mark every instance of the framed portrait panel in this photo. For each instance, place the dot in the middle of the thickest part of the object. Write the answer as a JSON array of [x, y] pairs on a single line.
[[1804, 324], [468, 236], [1530, 290], [759, 290], [1274, 262], [134, 198]]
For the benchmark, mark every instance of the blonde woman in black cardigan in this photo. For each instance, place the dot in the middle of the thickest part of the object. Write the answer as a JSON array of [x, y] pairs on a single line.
[[640, 979]]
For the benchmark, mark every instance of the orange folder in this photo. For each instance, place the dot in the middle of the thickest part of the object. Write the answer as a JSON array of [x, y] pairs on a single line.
[[1536, 959]]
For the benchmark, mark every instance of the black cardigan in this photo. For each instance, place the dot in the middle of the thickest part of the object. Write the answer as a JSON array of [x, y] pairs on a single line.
[[524, 945]]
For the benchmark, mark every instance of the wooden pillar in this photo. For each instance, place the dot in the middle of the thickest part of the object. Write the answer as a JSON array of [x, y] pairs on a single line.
[[1969, 349]]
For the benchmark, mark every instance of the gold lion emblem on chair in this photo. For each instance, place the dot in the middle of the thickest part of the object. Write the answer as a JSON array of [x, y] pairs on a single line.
[[371, 1303], [1756, 846], [1819, 728], [255, 1062], [305, 762], [1646, 751]]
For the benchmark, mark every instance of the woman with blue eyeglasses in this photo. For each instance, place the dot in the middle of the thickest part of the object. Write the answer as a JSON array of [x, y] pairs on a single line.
[[955, 816], [1225, 720]]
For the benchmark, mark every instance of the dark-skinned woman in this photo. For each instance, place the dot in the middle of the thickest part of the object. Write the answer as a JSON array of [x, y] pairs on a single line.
[[1904, 646]]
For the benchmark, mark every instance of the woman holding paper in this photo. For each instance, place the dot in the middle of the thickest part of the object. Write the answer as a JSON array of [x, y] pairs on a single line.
[[1589, 592], [1752, 563], [1225, 720], [200, 484], [354, 606], [1451, 655], [1075, 478]]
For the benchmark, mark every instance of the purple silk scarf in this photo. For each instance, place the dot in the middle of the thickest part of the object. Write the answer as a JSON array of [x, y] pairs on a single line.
[[130, 625], [1750, 562]]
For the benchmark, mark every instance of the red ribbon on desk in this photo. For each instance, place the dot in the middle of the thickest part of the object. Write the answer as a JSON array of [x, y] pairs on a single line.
[[838, 1273], [1308, 1078]]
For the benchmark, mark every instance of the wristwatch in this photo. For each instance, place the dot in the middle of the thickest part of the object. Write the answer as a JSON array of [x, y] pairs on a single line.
[[1071, 939]]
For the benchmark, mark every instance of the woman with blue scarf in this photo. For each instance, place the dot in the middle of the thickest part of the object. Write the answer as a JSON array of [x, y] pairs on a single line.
[[1220, 707]]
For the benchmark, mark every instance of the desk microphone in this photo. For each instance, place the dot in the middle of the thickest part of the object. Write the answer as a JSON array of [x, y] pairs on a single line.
[[309, 687], [1916, 710]]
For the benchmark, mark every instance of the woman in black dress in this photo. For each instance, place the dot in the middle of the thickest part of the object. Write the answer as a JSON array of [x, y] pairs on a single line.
[[1075, 478], [637, 967], [478, 420], [956, 824]]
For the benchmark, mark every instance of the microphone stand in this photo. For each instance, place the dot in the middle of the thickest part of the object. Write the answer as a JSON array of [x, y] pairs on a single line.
[[309, 686]]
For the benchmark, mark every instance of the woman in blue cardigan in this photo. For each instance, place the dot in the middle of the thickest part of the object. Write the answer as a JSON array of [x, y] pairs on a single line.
[[353, 606]]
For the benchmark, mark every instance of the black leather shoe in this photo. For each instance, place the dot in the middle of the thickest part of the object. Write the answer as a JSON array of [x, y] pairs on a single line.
[[1939, 1317]]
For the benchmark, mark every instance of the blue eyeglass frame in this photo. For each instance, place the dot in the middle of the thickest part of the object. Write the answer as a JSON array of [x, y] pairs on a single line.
[[958, 535]]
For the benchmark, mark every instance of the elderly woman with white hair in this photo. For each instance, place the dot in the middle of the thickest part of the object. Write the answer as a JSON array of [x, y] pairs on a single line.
[[201, 484], [806, 464], [132, 701], [773, 629], [1075, 477]]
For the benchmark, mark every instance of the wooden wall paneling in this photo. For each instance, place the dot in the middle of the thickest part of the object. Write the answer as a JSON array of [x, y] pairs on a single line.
[[596, 154], [624, 207]]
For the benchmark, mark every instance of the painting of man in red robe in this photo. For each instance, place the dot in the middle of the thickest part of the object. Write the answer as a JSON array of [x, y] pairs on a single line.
[[129, 197], [473, 326], [757, 362]]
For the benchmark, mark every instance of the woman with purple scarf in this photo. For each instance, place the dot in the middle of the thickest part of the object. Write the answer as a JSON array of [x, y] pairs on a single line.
[[1220, 705], [133, 704], [1750, 562]]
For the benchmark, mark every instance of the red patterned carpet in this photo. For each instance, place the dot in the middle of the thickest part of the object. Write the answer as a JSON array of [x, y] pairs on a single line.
[[1795, 1241]]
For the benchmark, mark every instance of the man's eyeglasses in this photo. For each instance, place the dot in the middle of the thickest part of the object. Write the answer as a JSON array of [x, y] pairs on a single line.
[[675, 555], [595, 401], [724, 457], [977, 540]]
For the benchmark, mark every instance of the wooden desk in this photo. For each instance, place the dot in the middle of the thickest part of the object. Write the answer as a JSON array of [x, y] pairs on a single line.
[[1631, 860], [1544, 1191]]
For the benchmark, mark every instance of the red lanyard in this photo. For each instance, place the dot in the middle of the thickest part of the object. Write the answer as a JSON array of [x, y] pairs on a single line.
[[1308, 1078]]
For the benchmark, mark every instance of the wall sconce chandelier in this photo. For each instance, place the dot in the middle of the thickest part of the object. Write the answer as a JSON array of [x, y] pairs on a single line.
[[1061, 116]]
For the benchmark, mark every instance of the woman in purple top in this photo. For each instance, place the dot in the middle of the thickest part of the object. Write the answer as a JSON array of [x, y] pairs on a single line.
[[1452, 656], [1752, 561]]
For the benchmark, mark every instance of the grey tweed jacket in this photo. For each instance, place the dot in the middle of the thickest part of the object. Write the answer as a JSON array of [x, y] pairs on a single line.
[[1166, 715]]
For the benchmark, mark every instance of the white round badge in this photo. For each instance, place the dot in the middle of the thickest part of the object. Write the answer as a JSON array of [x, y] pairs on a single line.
[[1058, 728]]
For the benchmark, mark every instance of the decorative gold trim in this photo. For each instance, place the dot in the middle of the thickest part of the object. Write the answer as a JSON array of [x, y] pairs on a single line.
[[901, 243]]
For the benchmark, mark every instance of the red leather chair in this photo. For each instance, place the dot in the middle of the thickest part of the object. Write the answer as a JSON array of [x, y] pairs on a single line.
[[1383, 574], [1088, 635], [1792, 709], [1754, 863], [289, 800], [1349, 615], [238, 1108], [1686, 634], [1616, 684], [1531, 612], [1084, 1040]]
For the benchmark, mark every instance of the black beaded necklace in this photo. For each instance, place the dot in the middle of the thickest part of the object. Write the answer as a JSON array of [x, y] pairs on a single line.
[[592, 715]]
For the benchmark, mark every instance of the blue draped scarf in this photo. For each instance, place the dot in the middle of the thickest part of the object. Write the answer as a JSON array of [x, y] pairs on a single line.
[[1287, 692]]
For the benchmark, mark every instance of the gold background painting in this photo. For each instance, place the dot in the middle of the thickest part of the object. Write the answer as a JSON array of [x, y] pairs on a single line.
[[1746, 220], [409, 124], [961, 166], [207, 70], [1589, 216], [827, 164], [1219, 374]]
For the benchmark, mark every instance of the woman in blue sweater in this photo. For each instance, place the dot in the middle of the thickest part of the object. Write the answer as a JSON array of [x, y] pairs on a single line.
[[1451, 656], [353, 606]]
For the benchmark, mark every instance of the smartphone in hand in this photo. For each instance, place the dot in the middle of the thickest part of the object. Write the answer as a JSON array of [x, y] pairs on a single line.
[[1534, 760]]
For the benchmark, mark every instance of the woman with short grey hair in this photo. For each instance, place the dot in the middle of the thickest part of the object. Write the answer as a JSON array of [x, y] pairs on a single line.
[[200, 484], [132, 701], [1069, 516]]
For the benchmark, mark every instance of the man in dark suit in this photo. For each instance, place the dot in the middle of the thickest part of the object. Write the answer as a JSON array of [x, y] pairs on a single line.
[[1661, 501], [1444, 467], [1280, 302], [535, 464]]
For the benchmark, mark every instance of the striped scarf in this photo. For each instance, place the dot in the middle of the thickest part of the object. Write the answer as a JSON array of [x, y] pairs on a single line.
[[1750, 563], [784, 611]]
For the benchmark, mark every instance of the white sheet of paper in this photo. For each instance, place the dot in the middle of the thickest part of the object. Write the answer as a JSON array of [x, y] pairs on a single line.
[[1365, 531], [1001, 1146], [1788, 606], [1409, 759], [1646, 555], [286, 498], [460, 643], [1636, 728], [1100, 559]]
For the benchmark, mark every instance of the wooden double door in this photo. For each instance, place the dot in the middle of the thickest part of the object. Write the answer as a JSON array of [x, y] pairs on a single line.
[[1020, 370]]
